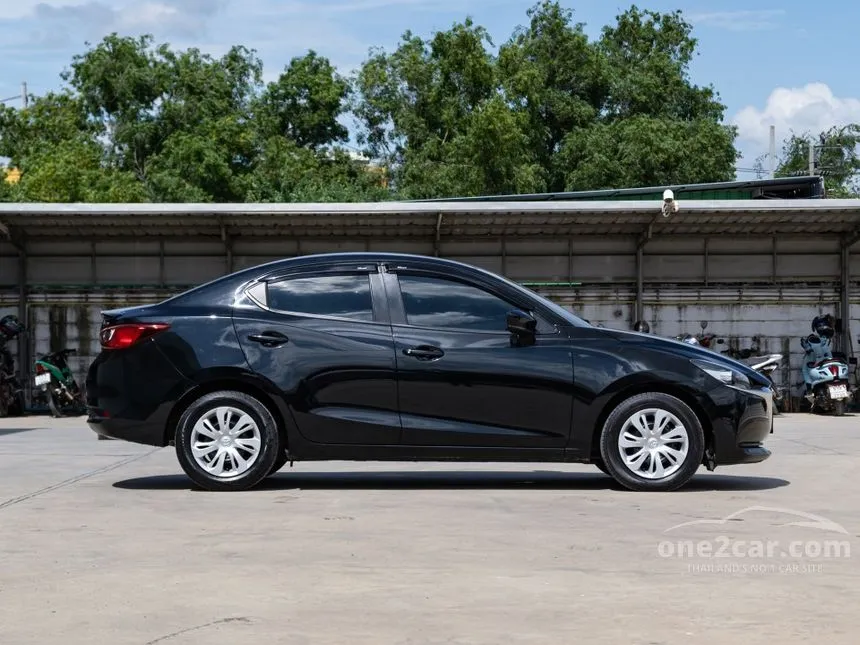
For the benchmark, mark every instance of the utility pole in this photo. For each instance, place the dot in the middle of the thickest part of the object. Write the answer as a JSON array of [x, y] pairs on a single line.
[[772, 151], [811, 157], [25, 100]]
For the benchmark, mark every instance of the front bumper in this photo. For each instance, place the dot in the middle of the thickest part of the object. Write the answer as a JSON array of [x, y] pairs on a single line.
[[744, 424]]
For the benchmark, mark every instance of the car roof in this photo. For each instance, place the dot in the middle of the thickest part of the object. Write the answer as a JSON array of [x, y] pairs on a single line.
[[370, 256]]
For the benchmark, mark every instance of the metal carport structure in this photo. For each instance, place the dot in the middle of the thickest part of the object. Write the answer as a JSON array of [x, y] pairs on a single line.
[[554, 245]]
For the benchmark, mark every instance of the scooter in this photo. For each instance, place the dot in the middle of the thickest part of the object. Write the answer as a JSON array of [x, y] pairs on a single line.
[[11, 392], [825, 377], [767, 365], [57, 383]]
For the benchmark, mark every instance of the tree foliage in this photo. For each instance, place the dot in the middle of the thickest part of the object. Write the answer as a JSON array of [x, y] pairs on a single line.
[[443, 115], [835, 155]]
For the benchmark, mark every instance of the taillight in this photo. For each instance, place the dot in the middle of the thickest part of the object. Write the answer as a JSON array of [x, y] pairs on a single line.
[[40, 369], [126, 335]]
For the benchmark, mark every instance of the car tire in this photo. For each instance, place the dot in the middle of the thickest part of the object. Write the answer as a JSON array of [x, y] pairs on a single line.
[[671, 456], [601, 467], [227, 441]]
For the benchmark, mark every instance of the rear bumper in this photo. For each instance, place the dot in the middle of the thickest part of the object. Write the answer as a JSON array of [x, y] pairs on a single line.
[[131, 392], [148, 433], [746, 422]]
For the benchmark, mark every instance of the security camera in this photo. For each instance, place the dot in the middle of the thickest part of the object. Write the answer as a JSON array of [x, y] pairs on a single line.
[[669, 204]]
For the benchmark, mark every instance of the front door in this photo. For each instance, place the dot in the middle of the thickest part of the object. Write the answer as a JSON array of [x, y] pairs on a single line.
[[324, 340], [461, 382]]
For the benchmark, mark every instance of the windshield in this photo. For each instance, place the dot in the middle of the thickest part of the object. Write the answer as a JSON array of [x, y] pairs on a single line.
[[557, 309]]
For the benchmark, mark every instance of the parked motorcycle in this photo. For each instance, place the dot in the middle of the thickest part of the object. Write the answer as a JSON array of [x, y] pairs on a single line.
[[11, 392], [55, 380], [825, 377]]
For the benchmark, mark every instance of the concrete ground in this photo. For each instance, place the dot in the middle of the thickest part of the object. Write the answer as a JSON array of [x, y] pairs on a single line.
[[106, 542]]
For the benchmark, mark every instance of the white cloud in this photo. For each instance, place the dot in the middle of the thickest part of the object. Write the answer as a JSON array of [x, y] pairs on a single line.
[[810, 109], [124, 15], [748, 20]]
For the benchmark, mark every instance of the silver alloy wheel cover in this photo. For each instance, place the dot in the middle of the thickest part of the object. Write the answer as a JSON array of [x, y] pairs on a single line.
[[226, 442], [653, 443]]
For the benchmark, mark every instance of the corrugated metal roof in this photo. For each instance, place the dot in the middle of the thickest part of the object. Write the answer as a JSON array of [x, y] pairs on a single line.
[[395, 220]]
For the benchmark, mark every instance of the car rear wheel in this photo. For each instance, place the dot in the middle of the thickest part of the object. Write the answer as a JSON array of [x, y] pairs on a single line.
[[652, 442], [227, 441]]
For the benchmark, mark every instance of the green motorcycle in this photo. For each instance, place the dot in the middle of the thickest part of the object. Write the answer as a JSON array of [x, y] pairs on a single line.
[[55, 380]]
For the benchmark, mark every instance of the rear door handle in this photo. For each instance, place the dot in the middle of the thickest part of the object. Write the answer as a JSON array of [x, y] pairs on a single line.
[[424, 352], [269, 338]]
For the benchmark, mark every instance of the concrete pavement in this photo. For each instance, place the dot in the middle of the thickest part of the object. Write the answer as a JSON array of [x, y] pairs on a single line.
[[107, 542]]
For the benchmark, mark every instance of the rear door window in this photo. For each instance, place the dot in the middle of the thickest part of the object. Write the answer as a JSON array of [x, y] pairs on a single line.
[[339, 295]]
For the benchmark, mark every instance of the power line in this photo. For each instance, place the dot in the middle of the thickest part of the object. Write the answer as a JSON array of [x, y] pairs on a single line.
[[24, 96]]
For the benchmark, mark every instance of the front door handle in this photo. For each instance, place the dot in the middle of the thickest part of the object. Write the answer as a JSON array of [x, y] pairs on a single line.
[[424, 352], [269, 338]]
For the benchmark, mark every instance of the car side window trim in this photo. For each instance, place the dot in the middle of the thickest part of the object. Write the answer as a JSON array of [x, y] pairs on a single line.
[[257, 292], [398, 308]]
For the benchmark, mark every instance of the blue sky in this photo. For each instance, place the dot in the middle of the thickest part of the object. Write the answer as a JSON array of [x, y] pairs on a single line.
[[790, 63]]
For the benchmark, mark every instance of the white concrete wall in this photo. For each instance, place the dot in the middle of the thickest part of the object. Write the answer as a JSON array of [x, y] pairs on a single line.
[[739, 285], [778, 317]]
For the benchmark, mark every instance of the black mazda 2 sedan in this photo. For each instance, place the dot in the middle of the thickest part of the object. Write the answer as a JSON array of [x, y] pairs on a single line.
[[363, 356]]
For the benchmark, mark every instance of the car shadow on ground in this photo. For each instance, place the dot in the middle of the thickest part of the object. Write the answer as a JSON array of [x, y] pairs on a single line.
[[455, 479], [6, 431]]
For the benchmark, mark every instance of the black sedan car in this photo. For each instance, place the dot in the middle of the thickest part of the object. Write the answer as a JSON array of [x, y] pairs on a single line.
[[400, 357]]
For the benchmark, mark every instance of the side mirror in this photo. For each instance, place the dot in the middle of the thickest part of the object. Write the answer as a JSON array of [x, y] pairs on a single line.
[[522, 327]]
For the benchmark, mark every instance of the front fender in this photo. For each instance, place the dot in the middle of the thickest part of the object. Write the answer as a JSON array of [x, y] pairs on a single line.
[[605, 373]]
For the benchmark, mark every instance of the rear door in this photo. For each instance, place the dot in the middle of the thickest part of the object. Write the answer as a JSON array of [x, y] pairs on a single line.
[[461, 382], [323, 337]]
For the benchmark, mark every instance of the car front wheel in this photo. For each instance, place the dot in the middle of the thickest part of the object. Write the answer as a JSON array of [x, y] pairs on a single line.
[[652, 442], [227, 441]]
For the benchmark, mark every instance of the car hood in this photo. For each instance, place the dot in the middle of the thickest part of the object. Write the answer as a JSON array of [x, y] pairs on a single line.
[[687, 350]]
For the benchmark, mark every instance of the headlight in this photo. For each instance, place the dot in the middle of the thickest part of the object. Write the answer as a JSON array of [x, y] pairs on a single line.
[[722, 373]]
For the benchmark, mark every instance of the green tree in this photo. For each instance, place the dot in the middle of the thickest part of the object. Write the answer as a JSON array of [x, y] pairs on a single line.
[[552, 74], [836, 159], [433, 112], [144, 122], [553, 111], [304, 104], [655, 126]]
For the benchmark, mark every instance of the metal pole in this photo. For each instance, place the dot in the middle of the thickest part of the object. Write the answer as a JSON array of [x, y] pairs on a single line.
[[772, 151], [23, 356], [846, 298], [639, 284], [811, 157], [24, 98]]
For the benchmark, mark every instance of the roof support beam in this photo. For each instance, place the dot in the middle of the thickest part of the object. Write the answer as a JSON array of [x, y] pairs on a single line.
[[437, 241], [162, 281], [23, 310], [773, 260], [640, 285], [845, 304], [228, 247], [850, 240], [11, 235]]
